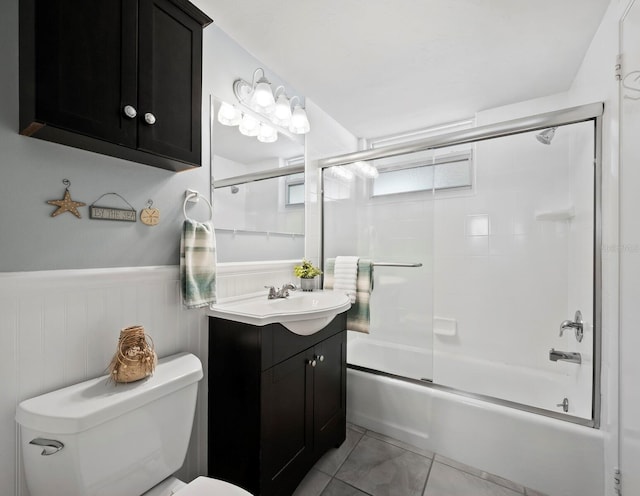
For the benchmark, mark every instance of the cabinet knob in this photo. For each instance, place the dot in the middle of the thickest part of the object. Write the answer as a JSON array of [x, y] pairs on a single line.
[[313, 362], [149, 118], [129, 111], [320, 358]]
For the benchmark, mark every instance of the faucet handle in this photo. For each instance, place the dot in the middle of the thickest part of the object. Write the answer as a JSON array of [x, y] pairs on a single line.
[[577, 324], [272, 292]]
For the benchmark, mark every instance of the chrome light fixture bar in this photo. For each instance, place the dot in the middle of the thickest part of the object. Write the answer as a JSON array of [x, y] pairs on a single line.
[[263, 113]]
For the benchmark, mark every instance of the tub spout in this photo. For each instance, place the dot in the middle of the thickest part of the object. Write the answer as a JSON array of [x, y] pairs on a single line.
[[565, 356]]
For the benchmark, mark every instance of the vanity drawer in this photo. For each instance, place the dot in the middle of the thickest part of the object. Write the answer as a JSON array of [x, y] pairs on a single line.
[[279, 343]]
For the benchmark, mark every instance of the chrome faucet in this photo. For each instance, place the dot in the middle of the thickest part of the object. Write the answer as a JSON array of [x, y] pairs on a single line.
[[577, 324], [283, 292], [272, 292], [565, 356]]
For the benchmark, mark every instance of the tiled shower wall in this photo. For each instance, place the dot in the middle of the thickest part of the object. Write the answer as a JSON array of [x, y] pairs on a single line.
[[61, 327]]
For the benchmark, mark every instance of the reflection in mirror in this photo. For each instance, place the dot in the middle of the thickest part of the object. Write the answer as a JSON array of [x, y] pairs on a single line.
[[258, 196]]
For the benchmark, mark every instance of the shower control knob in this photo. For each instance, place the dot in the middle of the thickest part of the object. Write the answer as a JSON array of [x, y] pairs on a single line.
[[564, 405], [313, 362]]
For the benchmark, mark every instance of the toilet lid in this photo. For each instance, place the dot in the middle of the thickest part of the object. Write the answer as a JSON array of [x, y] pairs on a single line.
[[204, 486]]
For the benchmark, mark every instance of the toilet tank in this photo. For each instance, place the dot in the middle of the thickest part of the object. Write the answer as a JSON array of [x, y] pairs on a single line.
[[118, 439]]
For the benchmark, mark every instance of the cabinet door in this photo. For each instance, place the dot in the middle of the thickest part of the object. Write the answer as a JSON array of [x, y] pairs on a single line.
[[330, 393], [170, 79], [287, 424], [85, 69]]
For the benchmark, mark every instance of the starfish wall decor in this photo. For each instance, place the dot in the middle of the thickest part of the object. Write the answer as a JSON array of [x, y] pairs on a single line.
[[66, 204]]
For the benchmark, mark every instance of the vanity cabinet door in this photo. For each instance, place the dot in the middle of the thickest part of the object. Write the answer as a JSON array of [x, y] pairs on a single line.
[[287, 423], [330, 386]]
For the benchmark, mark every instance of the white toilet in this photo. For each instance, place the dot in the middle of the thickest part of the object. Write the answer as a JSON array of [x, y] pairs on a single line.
[[98, 438]]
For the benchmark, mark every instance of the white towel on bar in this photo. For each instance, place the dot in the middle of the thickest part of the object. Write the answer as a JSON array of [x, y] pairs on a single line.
[[345, 276]]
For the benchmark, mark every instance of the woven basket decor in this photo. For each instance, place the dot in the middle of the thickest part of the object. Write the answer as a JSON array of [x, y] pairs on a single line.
[[135, 357]]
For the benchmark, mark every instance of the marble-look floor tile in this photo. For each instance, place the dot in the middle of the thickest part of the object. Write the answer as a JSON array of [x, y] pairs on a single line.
[[331, 461], [313, 484], [338, 488], [382, 469], [480, 473], [448, 481], [401, 444]]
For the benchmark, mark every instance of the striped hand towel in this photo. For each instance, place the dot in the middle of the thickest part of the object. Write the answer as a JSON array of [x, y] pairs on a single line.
[[345, 276], [358, 315], [198, 264]]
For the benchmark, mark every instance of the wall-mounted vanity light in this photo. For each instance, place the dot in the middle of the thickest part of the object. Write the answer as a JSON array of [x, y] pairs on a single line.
[[263, 113]]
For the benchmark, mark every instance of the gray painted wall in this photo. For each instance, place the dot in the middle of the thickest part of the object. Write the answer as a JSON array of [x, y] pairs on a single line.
[[32, 170]]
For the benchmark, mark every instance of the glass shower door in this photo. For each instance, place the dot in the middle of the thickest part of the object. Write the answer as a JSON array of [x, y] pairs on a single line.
[[514, 259], [387, 219]]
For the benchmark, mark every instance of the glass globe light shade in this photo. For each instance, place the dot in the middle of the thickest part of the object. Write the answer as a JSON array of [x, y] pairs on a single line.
[[228, 115], [267, 134], [249, 125], [299, 121], [282, 112]]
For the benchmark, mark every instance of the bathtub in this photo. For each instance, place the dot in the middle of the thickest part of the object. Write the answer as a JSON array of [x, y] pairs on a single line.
[[552, 456], [543, 389]]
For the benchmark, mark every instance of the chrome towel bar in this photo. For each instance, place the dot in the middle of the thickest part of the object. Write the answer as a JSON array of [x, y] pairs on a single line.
[[393, 264]]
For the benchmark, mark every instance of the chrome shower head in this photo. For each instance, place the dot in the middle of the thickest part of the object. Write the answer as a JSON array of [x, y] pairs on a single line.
[[546, 136]]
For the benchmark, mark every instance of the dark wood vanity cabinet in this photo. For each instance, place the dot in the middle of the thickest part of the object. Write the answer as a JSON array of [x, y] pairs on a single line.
[[118, 77], [277, 402]]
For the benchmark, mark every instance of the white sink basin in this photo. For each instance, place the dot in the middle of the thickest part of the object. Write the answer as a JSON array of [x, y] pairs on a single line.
[[303, 313]]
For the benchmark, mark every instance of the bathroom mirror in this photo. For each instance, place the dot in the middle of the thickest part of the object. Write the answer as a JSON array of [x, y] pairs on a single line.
[[258, 194]]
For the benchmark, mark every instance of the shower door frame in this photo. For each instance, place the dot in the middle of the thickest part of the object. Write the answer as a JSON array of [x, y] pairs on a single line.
[[583, 113]]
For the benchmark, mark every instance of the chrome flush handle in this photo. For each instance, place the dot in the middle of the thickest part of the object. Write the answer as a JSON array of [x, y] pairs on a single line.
[[51, 446]]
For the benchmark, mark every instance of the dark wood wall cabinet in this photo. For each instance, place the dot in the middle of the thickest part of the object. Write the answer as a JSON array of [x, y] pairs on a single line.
[[277, 402], [117, 77]]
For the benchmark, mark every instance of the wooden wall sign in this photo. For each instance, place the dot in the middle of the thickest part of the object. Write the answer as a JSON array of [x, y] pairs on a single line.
[[110, 213]]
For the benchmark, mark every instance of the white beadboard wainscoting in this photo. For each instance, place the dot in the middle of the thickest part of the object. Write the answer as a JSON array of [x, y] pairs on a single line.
[[61, 327]]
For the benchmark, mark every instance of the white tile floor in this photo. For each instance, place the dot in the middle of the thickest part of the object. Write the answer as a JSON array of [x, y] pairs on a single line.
[[370, 464]]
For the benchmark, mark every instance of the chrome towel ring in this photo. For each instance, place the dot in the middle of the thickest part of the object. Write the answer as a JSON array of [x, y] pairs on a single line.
[[193, 196]]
